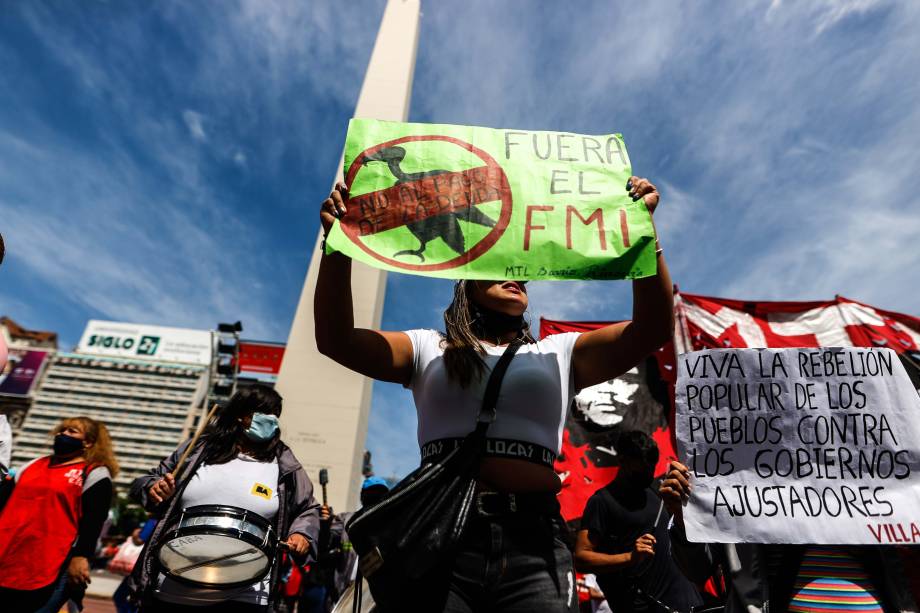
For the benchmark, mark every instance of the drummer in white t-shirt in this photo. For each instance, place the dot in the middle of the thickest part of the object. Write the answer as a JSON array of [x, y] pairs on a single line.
[[240, 462]]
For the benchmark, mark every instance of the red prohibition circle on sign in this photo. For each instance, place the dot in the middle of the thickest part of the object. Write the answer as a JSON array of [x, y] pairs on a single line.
[[479, 248]]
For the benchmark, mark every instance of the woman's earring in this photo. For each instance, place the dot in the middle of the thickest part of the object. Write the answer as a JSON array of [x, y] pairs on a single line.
[[476, 313]]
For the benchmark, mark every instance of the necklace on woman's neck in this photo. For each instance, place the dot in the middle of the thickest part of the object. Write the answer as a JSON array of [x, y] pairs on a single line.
[[500, 341]]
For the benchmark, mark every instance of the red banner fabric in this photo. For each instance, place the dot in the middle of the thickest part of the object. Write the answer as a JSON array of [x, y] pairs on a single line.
[[260, 358], [717, 322]]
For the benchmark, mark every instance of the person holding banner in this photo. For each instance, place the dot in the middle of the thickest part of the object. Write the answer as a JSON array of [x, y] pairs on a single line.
[[800, 578], [624, 536], [513, 557]]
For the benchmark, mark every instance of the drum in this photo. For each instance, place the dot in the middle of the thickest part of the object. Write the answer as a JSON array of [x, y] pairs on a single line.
[[218, 546]]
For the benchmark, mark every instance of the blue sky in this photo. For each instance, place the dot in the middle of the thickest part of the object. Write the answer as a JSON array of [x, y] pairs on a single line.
[[162, 162]]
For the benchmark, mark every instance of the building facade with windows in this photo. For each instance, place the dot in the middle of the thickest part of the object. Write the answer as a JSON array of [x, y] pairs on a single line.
[[148, 384], [29, 354]]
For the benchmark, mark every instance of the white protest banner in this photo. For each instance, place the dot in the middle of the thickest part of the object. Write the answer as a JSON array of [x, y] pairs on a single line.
[[799, 446]]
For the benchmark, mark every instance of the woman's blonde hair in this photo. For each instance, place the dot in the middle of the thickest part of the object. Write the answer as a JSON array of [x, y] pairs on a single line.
[[101, 452]]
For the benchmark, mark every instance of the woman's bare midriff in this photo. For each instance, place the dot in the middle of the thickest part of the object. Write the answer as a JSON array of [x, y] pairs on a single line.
[[509, 475]]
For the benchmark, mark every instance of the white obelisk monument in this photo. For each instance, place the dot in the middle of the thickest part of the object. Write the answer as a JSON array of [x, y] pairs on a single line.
[[326, 406]]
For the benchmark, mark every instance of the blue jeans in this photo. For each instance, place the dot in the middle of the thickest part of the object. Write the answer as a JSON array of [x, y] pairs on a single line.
[[59, 596], [512, 564], [120, 598], [313, 600]]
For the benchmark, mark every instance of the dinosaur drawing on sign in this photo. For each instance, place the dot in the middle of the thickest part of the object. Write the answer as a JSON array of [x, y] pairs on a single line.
[[444, 226]]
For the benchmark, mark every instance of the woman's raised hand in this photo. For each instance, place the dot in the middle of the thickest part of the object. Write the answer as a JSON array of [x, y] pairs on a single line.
[[643, 188], [333, 207]]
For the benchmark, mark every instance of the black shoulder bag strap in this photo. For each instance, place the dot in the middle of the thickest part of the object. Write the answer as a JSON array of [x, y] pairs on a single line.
[[485, 418], [490, 399]]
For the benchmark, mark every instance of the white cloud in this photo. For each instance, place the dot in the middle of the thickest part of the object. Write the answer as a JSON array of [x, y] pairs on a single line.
[[826, 13], [161, 267], [141, 228], [579, 300], [194, 123], [853, 235], [773, 148]]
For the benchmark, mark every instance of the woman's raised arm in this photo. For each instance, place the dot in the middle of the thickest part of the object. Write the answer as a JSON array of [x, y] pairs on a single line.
[[386, 356], [601, 355]]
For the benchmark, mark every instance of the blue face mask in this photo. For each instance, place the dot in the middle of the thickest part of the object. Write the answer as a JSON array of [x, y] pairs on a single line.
[[263, 429]]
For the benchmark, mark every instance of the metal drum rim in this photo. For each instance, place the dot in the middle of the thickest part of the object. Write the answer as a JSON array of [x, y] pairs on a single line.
[[218, 509], [266, 545]]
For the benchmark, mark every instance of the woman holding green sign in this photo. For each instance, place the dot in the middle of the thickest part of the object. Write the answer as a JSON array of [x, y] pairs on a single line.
[[511, 557]]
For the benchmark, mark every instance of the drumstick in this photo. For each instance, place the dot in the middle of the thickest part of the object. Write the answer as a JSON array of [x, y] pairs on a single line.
[[178, 469], [229, 556]]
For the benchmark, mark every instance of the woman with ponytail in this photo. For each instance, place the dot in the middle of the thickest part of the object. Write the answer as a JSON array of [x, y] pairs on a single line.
[[512, 557]]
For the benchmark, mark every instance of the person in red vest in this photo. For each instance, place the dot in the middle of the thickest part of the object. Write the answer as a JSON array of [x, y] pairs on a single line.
[[52, 520]]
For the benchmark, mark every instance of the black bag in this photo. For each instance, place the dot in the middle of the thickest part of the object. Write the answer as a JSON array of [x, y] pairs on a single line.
[[404, 541]]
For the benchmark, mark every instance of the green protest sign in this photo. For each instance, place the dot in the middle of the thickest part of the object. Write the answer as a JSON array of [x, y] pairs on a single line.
[[476, 203]]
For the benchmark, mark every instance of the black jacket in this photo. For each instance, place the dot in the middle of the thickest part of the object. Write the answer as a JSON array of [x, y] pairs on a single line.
[[298, 512]]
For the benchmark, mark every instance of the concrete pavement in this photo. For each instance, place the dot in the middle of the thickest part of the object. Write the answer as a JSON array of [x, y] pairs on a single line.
[[92, 604]]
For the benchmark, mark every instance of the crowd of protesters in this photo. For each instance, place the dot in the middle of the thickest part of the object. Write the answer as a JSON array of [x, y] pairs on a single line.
[[631, 546], [515, 554]]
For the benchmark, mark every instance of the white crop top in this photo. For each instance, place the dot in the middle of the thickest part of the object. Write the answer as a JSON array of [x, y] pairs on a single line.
[[533, 402]]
